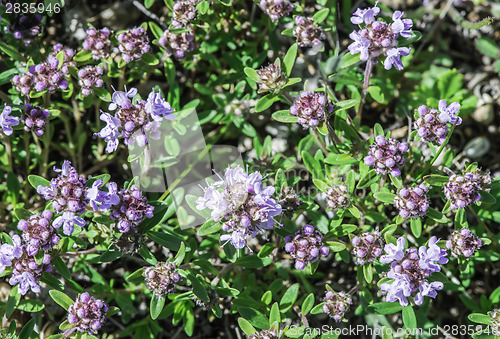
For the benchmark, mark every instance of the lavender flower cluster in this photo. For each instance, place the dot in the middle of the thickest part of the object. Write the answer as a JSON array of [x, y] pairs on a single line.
[[377, 38], [410, 269], [162, 278], [463, 190], [336, 304], [367, 247], [177, 44], [35, 119], [133, 121], [184, 12], [90, 77], [131, 209], [307, 32], [276, 9], [7, 121], [38, 232], [98, 42], [48, 75], [337, 197], [310, 108], [133, 43], [86, 314], [412, 201], [387, 155], [240, 201], [463, 243], [432, 124], [306, 246]]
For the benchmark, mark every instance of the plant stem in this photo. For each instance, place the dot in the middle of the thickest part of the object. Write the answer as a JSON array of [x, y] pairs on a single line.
[[8, 150], [366, 83], [320, 141]]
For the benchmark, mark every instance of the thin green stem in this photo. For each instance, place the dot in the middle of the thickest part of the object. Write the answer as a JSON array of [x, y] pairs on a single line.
[[366, 83]]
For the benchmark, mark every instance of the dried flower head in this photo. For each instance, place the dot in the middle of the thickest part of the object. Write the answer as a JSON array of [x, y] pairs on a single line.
[[306, 246], [162, 278], [271, 78], [387, 155], [337, 197], [336, 304], [307, 32], [276, 9], [495, 321]]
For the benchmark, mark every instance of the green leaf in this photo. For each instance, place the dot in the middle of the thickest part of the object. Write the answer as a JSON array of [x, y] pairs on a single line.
[[136, 277], [110, 256], [62, 268], [348, 60], [321, 15], [179, 257], [307, 305], [409, 318], [267, 297], [377, 94], [437, 216], [480, 318], [150, 59], [22, 213], [437, 180], [287, 32], [284, 116], [82, 56], [13, 301], [27, 330], [36, 181], [246, 326], [274, 315], [251, 73], [488, 47], [165, 239], [52, 281], [398, 182], [340, 159], [487, 197], [30, 305], [203, 7], [416, 227], [156, 306], [155, 29], [385, 197], [289, 297], [289, 59], [346, 104], [317, 309], [253, 261], [112, 310], [147, 255], [265, 102], [210, 227], [335, 246], [385, 307], [368, 272], [198, 288], [254, 317], [148, 3], [61, 299]]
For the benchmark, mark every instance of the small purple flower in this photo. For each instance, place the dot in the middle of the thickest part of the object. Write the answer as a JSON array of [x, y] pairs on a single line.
[[449, 113], [10, 252], [100, 200], [35, 119], [87, 314], [90, 77], [463, 243], [276, 9], [336, 304], [377, 38], [307, 32], [433, 125], [394, 252], [463, 190], [412, 201], [337, 197], [133, 44], [98, 42], [306, 246], [241, 202], [387, 155], [38, 232], [121, 99], [68, 220], [110, 132], [367, 247], [162, 278], [177, 44], [157, 107], [131, 209], [7, 121], [310, 109], [27, 273], [432, 256]]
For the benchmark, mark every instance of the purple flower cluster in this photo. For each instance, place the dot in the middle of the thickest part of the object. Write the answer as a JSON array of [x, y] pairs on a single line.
[[38, 232], [276, 9], [162, 278], [410, 269], [67, 193], [241, 202], [133, 44], [463, 190], [89, 77], [184, 11], [307, 32], [25, 26], [336, 304], [377, 38], [100, 200], [412, 201], [386, 154], [432, 124], [27, 272], [7, 121], [35, 119], [310, 109], [48, 75], [177, 44], [271, 78], [306, 246], [131, 209], [134, 121], [98, 42], [463, 243], [9, 252], [87, 314], [337, 197], [367, 247]]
